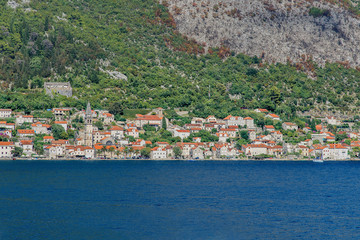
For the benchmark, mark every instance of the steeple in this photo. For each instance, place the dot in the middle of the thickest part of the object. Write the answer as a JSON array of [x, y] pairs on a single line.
[[88, 109], [88, 126]]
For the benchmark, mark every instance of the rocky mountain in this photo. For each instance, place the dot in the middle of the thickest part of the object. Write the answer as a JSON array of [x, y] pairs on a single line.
[[278, 30]]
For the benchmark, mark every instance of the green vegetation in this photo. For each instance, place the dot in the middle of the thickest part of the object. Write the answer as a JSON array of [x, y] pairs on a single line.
[[164, 69], [58, 132], [317, 12]]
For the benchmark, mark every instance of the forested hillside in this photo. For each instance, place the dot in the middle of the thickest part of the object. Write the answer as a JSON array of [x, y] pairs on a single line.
[[79, 41]]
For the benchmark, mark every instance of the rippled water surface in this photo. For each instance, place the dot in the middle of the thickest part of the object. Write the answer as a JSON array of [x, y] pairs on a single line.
[[179, 200]]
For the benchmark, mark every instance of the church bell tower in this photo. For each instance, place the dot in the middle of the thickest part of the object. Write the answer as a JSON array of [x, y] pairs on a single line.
[[88, 126]]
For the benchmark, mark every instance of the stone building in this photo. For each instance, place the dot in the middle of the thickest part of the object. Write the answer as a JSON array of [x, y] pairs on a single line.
[[62, 88], [88, 127]]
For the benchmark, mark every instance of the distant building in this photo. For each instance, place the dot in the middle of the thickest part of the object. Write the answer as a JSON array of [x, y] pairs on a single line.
[[5, 149], [88, 126], [24, 119], [5, 113], [62, 88], [289, 126]]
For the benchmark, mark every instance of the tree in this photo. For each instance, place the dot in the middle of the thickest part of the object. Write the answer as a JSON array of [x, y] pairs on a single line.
[[112, 150], [163, 123], [177, 152], [145, 152], [99, 125], [17, 152], [116, 108], [58, 131], [244, 135]]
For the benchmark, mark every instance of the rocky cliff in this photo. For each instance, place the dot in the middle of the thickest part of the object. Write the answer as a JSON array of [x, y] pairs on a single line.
[[276, 30]]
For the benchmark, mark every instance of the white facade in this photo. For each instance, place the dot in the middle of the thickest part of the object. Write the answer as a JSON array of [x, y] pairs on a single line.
[[234, 121], [332, 121], [55, 151], [289, 126], [249, 122], [182, 133], [24, 119], [335, 152], [158, 153], [255, 149], [5, 113], [5, 149]]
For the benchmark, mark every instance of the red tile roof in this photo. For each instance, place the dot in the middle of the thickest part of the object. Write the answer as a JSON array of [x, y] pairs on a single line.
[[148, 117], [26, 131], [26, 142]]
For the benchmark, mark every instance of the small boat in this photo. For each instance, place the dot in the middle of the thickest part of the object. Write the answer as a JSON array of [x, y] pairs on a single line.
[[318, 160]]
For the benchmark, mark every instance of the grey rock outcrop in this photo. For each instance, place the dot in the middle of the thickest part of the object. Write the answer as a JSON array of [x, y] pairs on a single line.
[[278, 30]]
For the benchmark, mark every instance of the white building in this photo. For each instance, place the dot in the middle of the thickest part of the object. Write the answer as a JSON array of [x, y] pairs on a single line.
[[152, 120], [335, 152], [27, 146], [234, 121], [5, 113], [222, 137], [54, 152], [6, 149], [132, 132], [117, 132], [182, 133], [289, 126], [332, 121], [255, 149], [249, 122], [273, 116], [40, 128], [24, 119], [108, 118], [158, 153]]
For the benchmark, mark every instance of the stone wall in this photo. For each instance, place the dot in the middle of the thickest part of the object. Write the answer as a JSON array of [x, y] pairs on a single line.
[[62, 88]]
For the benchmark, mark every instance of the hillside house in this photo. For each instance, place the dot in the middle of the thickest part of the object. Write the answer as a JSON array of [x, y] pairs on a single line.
[[40, 128], [25, 133], [24, 119], [6, 149], [182, 133], [234, 120], [152, 120], [108, 118], [61, 113], [117, 132], [249, 122], [5, 113], [289, 126], [335, 152], [27, 146], [158, 153], [273, 116]]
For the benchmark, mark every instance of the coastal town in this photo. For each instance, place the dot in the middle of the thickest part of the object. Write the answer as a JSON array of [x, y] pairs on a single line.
[[68, 133]]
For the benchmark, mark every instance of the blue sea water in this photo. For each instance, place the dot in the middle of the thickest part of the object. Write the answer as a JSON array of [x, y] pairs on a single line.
[[179, 200]]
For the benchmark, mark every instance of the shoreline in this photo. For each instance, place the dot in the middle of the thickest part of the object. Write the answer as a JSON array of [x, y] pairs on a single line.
[[185, 160]]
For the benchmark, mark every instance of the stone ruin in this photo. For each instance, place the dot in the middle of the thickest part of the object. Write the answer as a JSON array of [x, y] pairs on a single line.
[[62, 88]]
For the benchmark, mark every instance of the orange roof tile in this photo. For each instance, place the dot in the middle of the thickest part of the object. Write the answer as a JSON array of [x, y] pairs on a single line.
[[26, 142], [273, 115], [116, 128], [26, 131]]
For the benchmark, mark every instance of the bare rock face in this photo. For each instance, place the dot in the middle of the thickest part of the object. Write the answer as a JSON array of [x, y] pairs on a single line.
[[278, 30]]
